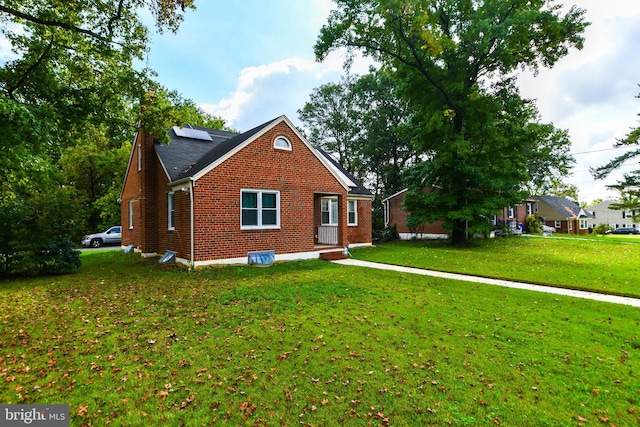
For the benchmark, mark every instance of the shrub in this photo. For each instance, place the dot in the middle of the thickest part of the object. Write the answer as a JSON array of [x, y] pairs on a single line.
[[386, 235], [533, 224], [602, 229], [58, 257]]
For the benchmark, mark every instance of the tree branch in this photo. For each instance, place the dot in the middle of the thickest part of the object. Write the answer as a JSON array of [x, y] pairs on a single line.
[[29, 70], [59, 24]]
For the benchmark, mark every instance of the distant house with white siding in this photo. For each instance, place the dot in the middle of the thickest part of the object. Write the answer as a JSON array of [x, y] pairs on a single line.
[[615, 218]]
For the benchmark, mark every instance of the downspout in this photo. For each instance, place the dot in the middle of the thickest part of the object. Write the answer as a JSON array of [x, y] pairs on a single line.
[[191, 225]]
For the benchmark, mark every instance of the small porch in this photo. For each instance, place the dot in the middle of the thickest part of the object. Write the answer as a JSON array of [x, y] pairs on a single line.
[[330, 220]]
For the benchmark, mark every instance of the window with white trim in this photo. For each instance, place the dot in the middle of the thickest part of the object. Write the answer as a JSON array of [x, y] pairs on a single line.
[[259, 209], [529, 208], [329, 211], [352, 212], [282, 143], [584, 224], [171, 211], [558, 224], [511, 212], [130, 214]]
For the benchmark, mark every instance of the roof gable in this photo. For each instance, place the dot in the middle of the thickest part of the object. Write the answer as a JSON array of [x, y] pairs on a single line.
[[191, 158], [565, 207]]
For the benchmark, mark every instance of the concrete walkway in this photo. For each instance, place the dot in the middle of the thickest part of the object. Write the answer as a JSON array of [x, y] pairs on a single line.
[[548, 289]]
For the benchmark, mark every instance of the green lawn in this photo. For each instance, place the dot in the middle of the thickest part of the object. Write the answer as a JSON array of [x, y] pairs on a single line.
[[608, 264], [126, 342]]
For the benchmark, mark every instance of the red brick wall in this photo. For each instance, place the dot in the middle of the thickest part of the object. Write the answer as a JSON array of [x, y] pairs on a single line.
[[398, 218], [178, 239], [132, 190], [564, 227], [520, 213], [361, 233], [148, 188], [296, 174]]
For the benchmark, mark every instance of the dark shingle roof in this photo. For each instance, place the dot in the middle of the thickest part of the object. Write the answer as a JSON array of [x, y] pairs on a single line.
[[220, 150], [564, 206], [359, 189], [186, 157], [182, 155]]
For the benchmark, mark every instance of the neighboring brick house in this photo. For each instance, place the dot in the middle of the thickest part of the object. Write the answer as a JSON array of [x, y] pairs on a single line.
[[512, 217], [563, 214], [213, 196], [396, 216], [614, 218]]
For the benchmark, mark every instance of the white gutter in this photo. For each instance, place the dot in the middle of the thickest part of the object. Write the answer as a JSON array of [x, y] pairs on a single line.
[[191, 216]]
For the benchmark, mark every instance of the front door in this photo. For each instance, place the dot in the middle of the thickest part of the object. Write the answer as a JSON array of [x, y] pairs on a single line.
[[328, 230]]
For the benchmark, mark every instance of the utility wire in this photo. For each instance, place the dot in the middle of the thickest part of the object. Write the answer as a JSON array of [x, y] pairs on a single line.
[[598, 151]]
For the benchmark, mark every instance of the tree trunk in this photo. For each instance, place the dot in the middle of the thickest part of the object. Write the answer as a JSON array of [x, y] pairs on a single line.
[[459, 233]]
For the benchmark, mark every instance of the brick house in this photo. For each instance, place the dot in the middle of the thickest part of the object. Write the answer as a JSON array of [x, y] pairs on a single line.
[[213, 196], [512, 216], [563, 214], [395, 216]]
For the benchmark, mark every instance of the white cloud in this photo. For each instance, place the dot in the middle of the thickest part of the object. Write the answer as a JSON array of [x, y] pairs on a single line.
[[592, 92], [262, 88], [268, 91]]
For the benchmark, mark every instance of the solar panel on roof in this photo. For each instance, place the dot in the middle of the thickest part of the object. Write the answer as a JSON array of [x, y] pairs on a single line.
[[192, 133]]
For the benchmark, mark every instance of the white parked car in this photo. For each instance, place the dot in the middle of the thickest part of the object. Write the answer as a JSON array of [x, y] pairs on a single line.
[[112, 236], [547, 229]]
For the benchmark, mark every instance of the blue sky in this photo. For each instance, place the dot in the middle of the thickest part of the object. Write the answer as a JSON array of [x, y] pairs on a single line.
[[249, 61]]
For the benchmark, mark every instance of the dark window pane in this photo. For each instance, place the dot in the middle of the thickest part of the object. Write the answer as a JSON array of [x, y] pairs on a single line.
[[269, 217], [249, 200], [268, 200], [249, 217]]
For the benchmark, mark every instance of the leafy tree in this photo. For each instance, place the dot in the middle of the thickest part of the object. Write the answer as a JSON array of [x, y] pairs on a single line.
[[455, 61], [559, 188], [96, 163], [95, 168], [331, 119], [363, 122], [385, 142], [70, 103]]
